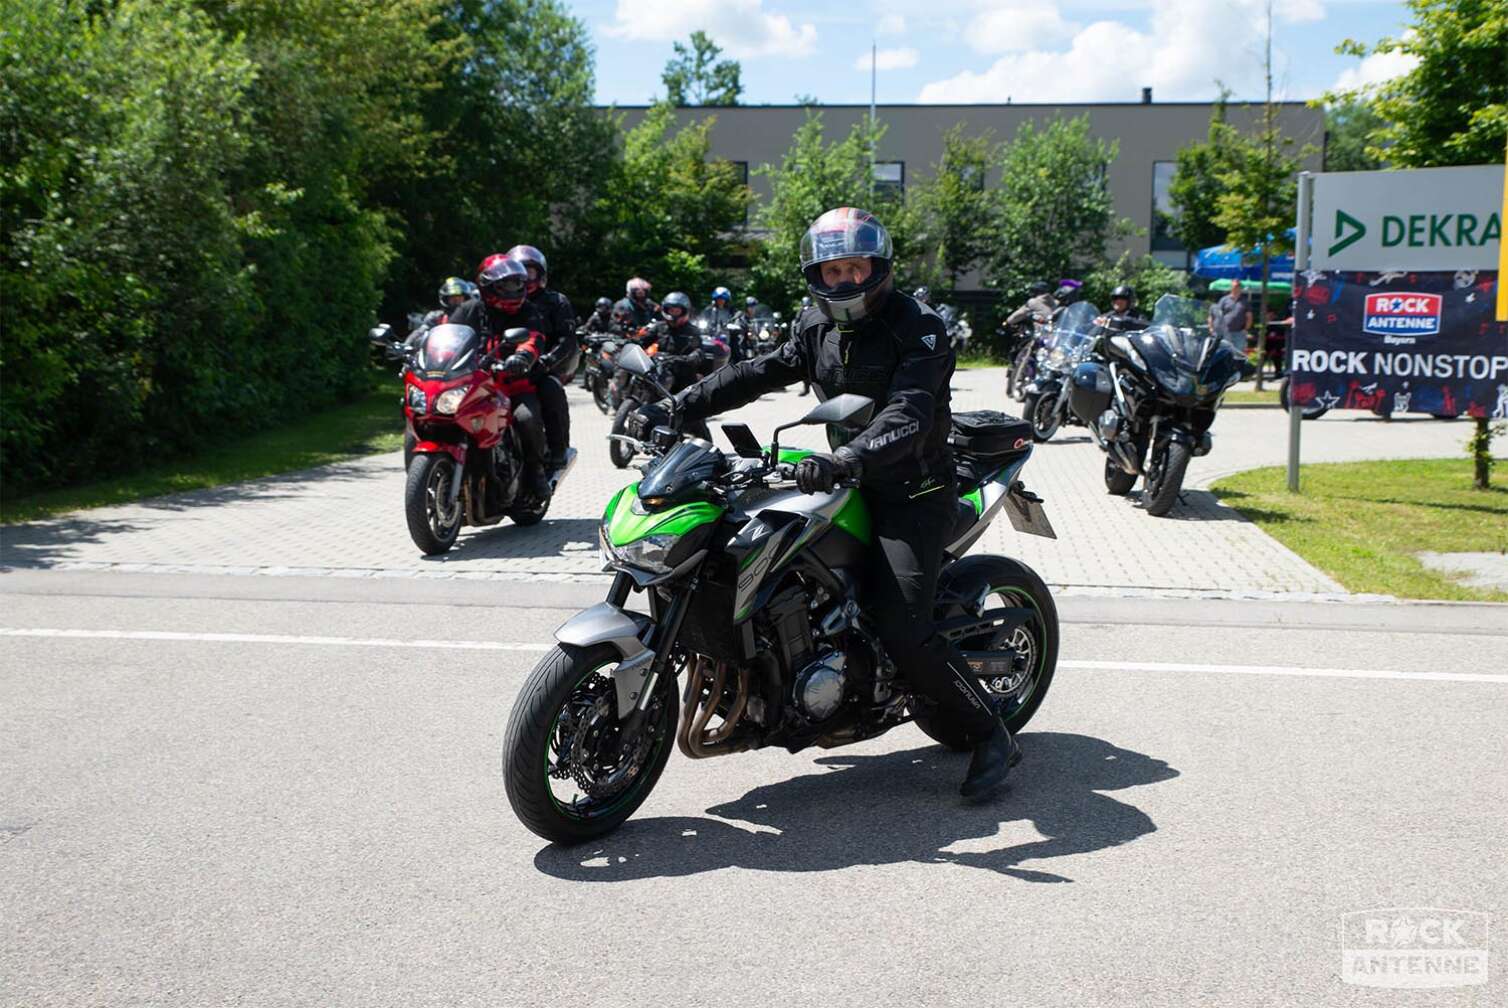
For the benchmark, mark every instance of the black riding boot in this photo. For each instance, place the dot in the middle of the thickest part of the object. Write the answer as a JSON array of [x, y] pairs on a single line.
[[993, 758]]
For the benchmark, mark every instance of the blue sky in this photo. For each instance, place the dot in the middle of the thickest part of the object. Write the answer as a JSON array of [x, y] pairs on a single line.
[[988, 50]]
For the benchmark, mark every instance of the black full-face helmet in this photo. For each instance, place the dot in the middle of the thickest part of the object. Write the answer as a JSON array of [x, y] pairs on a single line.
[[531, 256], [604, 304], [1125, 292], [847, 233], [676, 308], [1039, 288]]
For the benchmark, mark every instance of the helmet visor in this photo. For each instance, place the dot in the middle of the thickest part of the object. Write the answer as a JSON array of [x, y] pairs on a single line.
[[842, 234]]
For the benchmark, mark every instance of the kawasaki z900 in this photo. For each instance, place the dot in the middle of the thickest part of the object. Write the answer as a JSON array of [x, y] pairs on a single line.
[[754, 610]]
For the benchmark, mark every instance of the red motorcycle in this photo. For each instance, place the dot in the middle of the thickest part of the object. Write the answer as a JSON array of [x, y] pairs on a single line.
[[462, 450]]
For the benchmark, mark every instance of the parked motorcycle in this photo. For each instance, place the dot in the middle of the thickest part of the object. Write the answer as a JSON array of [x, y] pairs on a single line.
[[1150, 404], [959, 330], [462, 454], [755, 635], [1072, 339], [598, 352]]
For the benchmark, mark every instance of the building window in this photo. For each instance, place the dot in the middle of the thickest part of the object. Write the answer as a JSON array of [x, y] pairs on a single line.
[[890, 179], [741, 172], [1163, 211]]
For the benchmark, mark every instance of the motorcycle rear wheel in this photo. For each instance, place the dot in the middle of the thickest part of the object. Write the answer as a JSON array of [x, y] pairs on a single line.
[[433, 528], [566, 714], [598, 386], [1036, 642]]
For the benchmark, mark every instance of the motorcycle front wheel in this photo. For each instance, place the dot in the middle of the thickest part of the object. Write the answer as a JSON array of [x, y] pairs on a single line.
[[433, 523], [1015, 384], [599, 393], [621, 453], [1117, 480], [1165, 477], [1042, 411], [569, 773]]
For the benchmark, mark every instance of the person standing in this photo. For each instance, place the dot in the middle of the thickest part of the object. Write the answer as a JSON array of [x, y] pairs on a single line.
[[1230, 318]]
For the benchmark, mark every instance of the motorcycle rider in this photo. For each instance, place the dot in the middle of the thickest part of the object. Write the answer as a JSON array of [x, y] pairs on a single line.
[[560, 352], [1039, 305], [1123, 316], [680, 342], [600, 321], [865, 337], [636, 292], [717, 315], [503, 305]]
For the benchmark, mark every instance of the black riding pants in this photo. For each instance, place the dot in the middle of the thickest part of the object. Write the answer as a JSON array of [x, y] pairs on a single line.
[[555, 413], [900, 583], [526, 421]]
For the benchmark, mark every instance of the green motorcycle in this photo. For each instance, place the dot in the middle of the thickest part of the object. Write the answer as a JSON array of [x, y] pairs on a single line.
[[752, 591]]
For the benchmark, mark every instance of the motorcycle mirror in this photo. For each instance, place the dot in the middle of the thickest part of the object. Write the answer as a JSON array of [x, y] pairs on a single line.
[[846, 409], [634, 360], [378, 334]]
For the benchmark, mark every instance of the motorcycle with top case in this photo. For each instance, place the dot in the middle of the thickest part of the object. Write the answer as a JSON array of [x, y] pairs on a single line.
[[751, 629]]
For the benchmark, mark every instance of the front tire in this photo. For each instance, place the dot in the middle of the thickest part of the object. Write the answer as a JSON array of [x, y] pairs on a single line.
[[1165, 478], [1042, 411], [559, 740], [1035, 642], [620, 453], [600, 395], [1015, 383], [431, 524]]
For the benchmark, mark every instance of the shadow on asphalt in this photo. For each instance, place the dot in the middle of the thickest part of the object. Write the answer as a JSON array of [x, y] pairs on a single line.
[[891, 809], [509, 541], [1201, 506], [1081, 439]]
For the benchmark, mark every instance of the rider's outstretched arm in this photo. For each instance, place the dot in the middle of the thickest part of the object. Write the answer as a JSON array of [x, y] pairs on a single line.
[[737, 384]]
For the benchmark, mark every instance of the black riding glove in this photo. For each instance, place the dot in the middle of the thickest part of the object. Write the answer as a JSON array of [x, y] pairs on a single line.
[[517, 364], [642, 421], [821, 473]]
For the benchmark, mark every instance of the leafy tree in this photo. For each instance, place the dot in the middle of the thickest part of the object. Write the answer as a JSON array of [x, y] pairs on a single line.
[[1348, 124], [813, 177], [956, 212], [1452, 107], [668, 212], [1196, 184], [1053, 204], [695, 76]]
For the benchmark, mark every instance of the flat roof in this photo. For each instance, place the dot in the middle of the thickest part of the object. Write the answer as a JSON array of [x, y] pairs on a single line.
[[973, 105]]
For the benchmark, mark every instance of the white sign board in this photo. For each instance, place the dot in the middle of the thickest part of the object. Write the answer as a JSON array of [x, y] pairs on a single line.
[[1418, 219]]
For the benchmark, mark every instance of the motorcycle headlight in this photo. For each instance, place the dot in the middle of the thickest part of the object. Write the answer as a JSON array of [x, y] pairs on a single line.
[[450, 400], [647, 554], [416, 401], [1042, 355]]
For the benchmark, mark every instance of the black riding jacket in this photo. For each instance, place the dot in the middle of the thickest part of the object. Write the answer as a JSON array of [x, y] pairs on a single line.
[[561, 348], [643, 312], [899, 357], [599, 322]]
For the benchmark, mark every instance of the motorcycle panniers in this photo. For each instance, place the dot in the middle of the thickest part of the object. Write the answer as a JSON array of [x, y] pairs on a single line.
[[1091, 392]]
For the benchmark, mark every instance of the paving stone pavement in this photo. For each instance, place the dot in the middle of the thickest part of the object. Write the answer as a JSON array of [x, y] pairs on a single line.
[[347, 519]]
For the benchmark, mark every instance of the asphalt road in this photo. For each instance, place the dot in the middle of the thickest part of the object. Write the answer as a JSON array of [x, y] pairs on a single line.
[[221, 790]]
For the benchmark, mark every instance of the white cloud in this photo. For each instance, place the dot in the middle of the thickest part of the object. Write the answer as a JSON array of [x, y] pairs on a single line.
[[1017, 27], [1190, 45], [890, 24], [889, 59], [1375, 69], [743, 28]]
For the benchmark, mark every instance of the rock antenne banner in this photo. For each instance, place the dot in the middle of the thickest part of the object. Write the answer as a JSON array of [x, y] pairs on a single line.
[[1399, 342]]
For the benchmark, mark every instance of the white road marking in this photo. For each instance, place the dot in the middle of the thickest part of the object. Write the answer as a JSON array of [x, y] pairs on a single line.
[[474, 645], [1280, 670], [243, 638]]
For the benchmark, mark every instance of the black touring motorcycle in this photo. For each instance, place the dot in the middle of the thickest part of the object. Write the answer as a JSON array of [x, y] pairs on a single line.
[[1151, 402], [755, 621]]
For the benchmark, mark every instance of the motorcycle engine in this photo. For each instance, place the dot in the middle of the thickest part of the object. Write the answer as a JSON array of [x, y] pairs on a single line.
[[820, 686]]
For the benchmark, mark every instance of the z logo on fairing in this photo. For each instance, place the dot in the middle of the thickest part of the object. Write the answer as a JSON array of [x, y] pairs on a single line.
[[930, 341]]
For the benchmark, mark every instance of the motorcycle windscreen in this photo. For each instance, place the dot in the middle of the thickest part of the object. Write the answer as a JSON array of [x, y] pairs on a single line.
[[1180, 312], [449, 350], [1175, 355], [1071, 335]]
